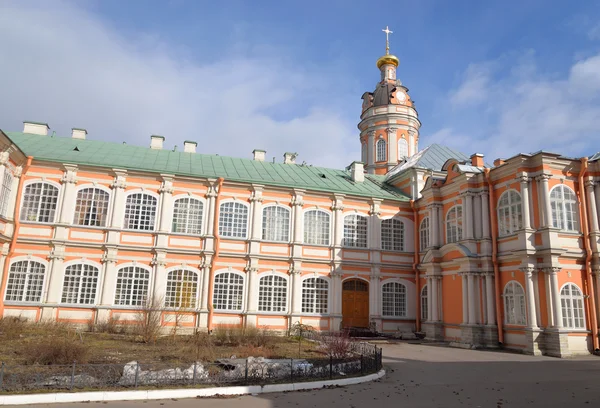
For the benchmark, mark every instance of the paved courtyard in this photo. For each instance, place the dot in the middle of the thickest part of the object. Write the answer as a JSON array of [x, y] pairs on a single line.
[[434, 376]]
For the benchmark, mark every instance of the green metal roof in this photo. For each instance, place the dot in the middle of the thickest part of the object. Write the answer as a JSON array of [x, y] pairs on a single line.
[[124, 156]]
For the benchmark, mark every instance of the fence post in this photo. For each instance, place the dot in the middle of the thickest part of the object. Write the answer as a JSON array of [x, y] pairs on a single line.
[[72, 376], [2, 376], [137, 372], [330, 367], [194, 375], [246, 371]]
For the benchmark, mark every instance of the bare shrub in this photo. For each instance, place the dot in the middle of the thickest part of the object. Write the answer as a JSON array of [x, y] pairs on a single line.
[[203, 347], [337, 345], [12, 327], [57, 350], [149, 320], [242, 336], [300, 331], [109, 326]]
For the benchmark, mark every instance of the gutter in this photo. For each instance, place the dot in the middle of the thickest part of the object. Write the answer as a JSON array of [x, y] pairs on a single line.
[[211, 278], [17, 224], [591, 299], [494, 222], [415, 269]]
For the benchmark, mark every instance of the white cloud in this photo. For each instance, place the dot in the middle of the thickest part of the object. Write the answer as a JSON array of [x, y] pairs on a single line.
[[474, 88], [62, 65]]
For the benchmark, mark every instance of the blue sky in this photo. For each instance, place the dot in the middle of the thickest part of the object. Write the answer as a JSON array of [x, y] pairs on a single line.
[[492, 77]]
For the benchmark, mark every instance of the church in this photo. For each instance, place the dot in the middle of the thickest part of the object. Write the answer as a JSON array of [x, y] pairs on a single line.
[[501, 254]]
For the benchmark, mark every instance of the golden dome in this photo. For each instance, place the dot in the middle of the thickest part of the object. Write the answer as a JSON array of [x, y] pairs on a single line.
[[388, 59]]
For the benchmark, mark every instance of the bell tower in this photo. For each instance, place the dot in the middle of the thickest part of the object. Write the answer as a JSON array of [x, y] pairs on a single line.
[[389, 126]]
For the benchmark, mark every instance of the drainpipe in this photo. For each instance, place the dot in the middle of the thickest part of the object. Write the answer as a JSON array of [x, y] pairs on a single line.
[[494, 222], [591, 300], [415, 269], [211, 276], [13, 241]]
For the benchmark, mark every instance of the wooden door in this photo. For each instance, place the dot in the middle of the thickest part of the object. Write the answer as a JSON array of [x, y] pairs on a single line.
[[355, 303]]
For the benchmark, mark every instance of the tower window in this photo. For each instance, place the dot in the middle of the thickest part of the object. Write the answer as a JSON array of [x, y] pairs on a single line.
[[402, 149], [381, 147]]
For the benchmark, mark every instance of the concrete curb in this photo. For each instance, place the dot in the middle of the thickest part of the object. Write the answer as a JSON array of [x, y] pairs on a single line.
[[101, 396]]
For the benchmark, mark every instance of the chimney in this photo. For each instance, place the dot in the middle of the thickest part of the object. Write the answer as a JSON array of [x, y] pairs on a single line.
[[357, 171], [156, 142], [498, 162], [477, 160], [189, 146], [259, 155], [36, 128], [289, 158], [78, 133]]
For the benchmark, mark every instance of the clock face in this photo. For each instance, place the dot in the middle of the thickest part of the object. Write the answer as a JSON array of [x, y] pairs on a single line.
[[401, 96]]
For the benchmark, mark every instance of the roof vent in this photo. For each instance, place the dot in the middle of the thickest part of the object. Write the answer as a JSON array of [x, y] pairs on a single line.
[[36, 128], [259, 155], [78, 133], [156, 142], [357, 171], [189, 146], [289, 158], [477, 160]]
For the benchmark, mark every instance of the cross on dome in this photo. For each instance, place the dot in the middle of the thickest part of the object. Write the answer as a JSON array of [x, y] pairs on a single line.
[[387, 32]]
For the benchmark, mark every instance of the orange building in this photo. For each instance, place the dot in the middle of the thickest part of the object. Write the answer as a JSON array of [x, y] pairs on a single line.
[[435, 241]]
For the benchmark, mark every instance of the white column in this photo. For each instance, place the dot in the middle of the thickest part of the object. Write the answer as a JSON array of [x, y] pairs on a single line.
[[252, 289], [530, 297], [55, 279], [205, 282], [118, 212], [549, 302], [556, 306], [211, 195], [468, 215], [465, 299], [429, 297], [392, 146], [370, 149], [297, 205], [159, 265], [338, 221], [434, 298], [524, 180], [472, 297], [490, 298], [592, 210], [546, 210], [477, 213], [256, 213], [296, 291], [434, 226], [109, 279], [485, 215], [67, 207], [374, 232], [335, 293], [166, 208]]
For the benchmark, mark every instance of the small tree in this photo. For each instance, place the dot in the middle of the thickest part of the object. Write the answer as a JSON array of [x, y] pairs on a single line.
[[149, 318], [300, 331]]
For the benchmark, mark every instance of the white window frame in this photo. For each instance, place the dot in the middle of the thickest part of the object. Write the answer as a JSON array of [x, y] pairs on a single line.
[[353, 236], [239, 225], [82, 285], [513, 296], [82, 214], [315, 231], [42, 203], [380, 148], [510, 211], [394, 240], [314, 307], [276, 229], [174, 288], [133, 221], [424, 306], [399, 311], [271, 304], [192, 224], [572, 307], [229, 294], [22, 294], [564, 211], [454, 224], [402, 148], [5, 194], [424, 232], [134, 292]]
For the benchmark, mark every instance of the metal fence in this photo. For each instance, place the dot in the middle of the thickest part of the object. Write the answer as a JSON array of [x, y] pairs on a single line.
[[251, 371]]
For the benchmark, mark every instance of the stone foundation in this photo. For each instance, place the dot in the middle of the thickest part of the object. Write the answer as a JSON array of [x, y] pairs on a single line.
[[490, 336], [535, 342], [472, 335], [433, 331], [557, 343]]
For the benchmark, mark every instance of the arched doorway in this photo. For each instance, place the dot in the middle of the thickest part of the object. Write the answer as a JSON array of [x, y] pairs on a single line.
[[355, 303]]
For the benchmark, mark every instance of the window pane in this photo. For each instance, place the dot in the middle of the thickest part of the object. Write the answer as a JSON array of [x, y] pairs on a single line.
[[233, 220], [187, 216], [140, 212], [132, 286], [316, 227], [39, 202], [182, 288]]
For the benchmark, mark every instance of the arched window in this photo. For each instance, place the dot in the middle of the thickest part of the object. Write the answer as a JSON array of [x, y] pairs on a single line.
[[564, 208], [39, 202], [228, 291], [272, 294], [355, 231], [315, 292], [393, 299], [187, 216], [233, 220], [392, 235], [364, 153], [140, 212], [7, 182], [424, 233], [132, 286], [510, 218], [91, 207], [276, 224], [80, 284], [402, 148], [454, 224], [182, 289], [316, 227], [25, 282], [514, 304], [571, 300], [424, 309], [381, 150]]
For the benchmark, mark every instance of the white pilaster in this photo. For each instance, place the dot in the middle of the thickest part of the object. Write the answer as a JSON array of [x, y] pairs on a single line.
[[490, 298], [252, 289], [118, 185], [205, 267], [468, 215], [338, 221], [57, 273], [166, 206], [392, 146], [477, 213], [68, 180], [524, 180], [592, 210], [109, 278], [546, 210], [471, 294], [434, 225], [556, 305], [434, 298], [485, 215], [159, 266], [297, 204], [211, 195], [256, 213], [370, 151], [374, 227], [296, 290], [429, 298], [530, 297], [336, 292]]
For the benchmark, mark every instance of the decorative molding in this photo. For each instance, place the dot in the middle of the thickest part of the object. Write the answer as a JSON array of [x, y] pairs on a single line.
[[297, 201], [166, 187], [543, 178], [551, 270], [119, 182]]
